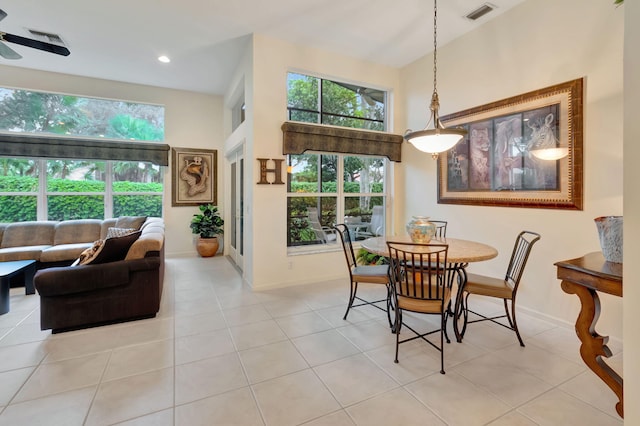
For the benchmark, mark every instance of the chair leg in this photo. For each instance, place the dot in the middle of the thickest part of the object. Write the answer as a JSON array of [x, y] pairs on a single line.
[[352, 297], [512, 320], [445, 316], [398, 326], [389, 306], [443, 323]]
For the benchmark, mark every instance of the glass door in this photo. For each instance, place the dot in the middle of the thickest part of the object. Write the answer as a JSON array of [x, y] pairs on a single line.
[[236, 235]]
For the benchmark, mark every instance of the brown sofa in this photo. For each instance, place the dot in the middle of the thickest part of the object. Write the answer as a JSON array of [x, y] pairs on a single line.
[[73, 297]]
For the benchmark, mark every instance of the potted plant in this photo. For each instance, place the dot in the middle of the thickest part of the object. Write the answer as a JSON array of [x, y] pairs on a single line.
[[208, 225]]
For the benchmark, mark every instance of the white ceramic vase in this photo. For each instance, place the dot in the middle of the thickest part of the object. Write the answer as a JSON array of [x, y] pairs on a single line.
[[610, 234]]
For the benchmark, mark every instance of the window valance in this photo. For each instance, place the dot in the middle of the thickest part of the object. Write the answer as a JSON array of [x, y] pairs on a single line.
[[85, 149], [301, 137]]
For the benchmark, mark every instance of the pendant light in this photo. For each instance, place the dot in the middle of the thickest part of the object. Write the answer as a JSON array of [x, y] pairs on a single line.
[[438, 138]]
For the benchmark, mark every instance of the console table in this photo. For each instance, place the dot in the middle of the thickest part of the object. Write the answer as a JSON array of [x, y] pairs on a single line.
[[585, 277]]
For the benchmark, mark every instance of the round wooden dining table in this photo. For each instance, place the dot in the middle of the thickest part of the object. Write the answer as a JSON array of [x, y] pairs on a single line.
[[460, 254]]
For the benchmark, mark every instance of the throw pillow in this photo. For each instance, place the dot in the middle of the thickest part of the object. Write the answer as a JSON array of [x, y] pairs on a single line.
[[115, 248], [119, 232], [134, 222], [89, 254]]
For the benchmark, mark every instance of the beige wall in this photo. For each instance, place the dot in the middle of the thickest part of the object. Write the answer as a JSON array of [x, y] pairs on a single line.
[[272, 60], [631, 212], [534, 45], [192, 120]]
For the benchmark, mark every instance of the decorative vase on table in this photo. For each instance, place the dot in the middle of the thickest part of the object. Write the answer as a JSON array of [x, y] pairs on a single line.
[[610, 235], [420, 229]]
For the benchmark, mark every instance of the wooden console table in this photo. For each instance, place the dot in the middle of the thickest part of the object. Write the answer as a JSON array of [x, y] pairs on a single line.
[[584, 277]]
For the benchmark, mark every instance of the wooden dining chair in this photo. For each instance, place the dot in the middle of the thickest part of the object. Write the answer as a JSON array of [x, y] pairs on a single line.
[[420, 283], [363, 274], [505, 289]]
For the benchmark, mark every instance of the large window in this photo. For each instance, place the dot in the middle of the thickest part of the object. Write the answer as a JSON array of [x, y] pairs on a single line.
[[46, 189], [316, 100], [26, 111], [326, 188], [73, 157]]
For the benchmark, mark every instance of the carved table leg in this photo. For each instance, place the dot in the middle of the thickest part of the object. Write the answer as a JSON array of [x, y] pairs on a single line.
[[594, 346]]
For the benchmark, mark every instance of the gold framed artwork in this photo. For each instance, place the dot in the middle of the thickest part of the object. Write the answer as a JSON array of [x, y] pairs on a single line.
[[193, 176], [524, 151]]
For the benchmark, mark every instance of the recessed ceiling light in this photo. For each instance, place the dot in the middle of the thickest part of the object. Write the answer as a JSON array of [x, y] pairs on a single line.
[[164, 59]]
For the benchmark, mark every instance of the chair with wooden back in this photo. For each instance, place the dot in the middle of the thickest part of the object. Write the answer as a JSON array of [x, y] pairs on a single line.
[[505, 289], [420, 283], [367, 274]]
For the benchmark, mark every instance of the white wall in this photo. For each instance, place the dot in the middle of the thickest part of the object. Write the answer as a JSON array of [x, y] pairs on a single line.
[[272, 60], [192, 120], [631, 352], [534, 45]]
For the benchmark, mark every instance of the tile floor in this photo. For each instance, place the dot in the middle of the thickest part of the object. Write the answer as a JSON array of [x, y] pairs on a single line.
[[220, 354]]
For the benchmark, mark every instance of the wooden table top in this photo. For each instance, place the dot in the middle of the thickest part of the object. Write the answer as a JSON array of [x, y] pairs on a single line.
[[593, 271], [460, 251]]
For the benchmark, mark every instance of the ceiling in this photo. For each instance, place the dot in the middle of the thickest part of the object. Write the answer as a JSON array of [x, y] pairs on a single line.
[[121, 40]]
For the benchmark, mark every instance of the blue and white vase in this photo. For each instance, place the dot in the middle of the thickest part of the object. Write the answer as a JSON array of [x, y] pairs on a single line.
[[420, 229]]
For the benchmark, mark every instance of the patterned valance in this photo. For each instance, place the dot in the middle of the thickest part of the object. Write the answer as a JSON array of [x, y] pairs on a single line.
[[301, 137], [83, 149]]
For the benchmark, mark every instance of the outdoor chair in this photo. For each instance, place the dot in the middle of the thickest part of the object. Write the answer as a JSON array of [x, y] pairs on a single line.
[[324, 234], [363, 274], [505, 289], [375, 228], [420, 283]]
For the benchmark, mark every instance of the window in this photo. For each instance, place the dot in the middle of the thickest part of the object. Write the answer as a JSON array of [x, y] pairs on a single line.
[[334, 188], [72, 157], [26, 111], [48, 189], [315, 100], [326, 188]]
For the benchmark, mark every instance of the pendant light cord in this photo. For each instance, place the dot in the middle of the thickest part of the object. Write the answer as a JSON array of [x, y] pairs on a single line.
[[435, 45]]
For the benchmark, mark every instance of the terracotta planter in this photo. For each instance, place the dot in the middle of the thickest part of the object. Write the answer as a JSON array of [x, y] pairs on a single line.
[[207, 247]]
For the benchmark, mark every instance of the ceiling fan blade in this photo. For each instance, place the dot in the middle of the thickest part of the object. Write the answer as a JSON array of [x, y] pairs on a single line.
[[36, 44], [7, 52]]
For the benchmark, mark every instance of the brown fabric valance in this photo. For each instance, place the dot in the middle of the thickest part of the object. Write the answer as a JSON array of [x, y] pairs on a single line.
[[301, 137], [83, 149]]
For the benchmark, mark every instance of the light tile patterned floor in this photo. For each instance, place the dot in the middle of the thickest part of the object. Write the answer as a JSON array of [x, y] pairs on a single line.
[[220, 354]]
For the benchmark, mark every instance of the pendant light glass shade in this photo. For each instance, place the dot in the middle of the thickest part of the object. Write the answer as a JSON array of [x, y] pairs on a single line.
[[435, 141], [438, 138], [550, 154]]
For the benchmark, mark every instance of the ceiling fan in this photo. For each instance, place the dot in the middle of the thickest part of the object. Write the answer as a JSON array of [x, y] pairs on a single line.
[[8, 53]]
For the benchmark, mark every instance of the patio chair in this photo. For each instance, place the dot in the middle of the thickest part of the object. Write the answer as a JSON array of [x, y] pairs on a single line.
[[375, 228], [324, 234], [366, 274], [420, 283], [505, 289]]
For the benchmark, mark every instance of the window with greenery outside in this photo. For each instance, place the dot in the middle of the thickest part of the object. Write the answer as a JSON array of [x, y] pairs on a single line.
[[336, 185], [76, 189]]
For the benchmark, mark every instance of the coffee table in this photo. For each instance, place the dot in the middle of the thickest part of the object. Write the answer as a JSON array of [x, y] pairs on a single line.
[[9, 270]]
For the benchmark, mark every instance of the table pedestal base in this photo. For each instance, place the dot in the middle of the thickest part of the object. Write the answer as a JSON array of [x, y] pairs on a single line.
[[594, 346]]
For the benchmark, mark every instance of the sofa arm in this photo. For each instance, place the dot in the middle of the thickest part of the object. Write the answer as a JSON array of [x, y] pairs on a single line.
[[83, 278]]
